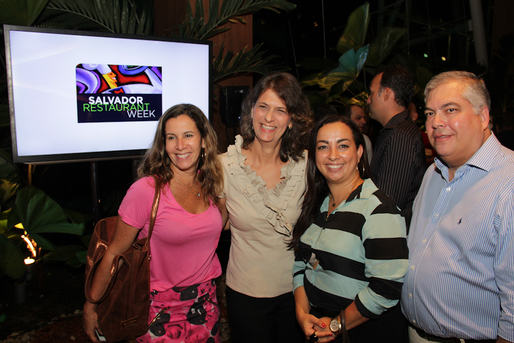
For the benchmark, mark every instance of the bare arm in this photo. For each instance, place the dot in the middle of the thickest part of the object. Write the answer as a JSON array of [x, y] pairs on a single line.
[[353, 317], [501, 340], [123, 238]]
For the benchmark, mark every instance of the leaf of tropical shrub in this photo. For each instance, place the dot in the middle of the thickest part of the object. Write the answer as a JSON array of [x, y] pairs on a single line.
[[82, 257], [39, 213], [11, 258], [355, 32], [350, 65], [35, 208], [384, 45], [42, 242], [64, 252], [71, 228]]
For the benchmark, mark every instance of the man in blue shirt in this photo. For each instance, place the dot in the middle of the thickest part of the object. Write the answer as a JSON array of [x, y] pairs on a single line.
[[460, 283]]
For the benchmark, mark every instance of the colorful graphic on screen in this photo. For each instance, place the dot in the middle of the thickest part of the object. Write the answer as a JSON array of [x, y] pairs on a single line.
[[114, 93]]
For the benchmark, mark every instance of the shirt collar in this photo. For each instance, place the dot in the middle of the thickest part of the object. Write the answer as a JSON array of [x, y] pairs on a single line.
[[482, 159]]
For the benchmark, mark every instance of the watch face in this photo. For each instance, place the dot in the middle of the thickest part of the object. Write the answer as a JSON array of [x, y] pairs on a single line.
[[335, 325]]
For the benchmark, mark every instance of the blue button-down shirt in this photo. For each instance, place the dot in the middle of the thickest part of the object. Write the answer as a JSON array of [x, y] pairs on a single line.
[[460, 281]]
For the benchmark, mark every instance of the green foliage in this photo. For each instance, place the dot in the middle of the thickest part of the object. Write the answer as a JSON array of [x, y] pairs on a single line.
[[196, 26], [383, 46], [11, 256], [229, 64], [354, 34], [21, 12], [39, 216], [342, 83], [118, 16], [10, 178]]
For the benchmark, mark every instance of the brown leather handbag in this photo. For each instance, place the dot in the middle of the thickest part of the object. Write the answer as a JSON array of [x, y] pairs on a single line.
[[123, 308]]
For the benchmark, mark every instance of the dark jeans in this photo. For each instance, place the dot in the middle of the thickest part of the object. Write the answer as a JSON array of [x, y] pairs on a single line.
[[263, 320]]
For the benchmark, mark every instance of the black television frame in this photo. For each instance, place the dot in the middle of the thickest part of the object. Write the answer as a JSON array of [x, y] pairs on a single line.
[[95, 155]]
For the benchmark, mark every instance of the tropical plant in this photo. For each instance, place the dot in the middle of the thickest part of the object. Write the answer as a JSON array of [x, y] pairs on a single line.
[[339, 81], [197, 26], [27, 216]]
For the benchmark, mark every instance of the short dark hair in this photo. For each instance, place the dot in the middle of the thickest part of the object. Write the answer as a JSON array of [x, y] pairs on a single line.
[[347, 110], [287, 88], [400, 80]]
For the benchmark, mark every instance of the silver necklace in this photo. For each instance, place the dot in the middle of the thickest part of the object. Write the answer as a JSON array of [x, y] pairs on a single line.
[[192, 189]]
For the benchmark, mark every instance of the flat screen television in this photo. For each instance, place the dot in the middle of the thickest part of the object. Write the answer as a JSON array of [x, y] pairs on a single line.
[[78, 96]]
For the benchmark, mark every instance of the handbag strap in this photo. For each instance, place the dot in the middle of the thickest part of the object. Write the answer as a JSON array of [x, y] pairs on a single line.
[[155, 206], [153, 216]]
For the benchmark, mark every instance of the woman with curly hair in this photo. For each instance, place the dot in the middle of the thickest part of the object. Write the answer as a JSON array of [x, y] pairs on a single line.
[[183, 165], [264, 185]]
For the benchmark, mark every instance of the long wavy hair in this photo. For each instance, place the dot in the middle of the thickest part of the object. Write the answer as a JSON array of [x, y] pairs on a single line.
[[287, 87], [156, 162], [317, 187]]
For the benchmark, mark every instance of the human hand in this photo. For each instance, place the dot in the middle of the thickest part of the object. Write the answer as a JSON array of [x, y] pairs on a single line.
[[321, 326], [318, 326], [90, 321]]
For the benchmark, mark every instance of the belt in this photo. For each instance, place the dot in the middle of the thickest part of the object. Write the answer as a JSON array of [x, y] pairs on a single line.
[[433, 338]]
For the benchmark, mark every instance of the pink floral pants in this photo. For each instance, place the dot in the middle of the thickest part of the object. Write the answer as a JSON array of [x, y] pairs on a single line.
[[184, 315]]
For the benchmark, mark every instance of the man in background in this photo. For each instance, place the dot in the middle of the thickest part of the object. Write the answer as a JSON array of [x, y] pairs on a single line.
[[398, 160], [358, 116]]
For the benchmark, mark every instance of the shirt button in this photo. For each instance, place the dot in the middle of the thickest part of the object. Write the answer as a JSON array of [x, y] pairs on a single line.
[[448, 189], [424, 241], [436, 215], [414, 321], [412, 267], [410, 295]]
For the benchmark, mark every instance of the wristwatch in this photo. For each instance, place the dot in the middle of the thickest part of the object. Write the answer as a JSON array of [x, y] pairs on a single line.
[[335, 325]]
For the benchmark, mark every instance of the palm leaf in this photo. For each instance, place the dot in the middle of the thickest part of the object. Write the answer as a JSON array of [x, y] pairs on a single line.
[[251, 61], [21, 12], [196, 26], [117, 16]]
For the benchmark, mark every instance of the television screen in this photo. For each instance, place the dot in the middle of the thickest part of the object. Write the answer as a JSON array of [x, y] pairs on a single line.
[[76, 96]]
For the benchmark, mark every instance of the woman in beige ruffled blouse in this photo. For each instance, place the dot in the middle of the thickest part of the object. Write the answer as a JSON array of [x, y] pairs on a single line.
[[264, 185]]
